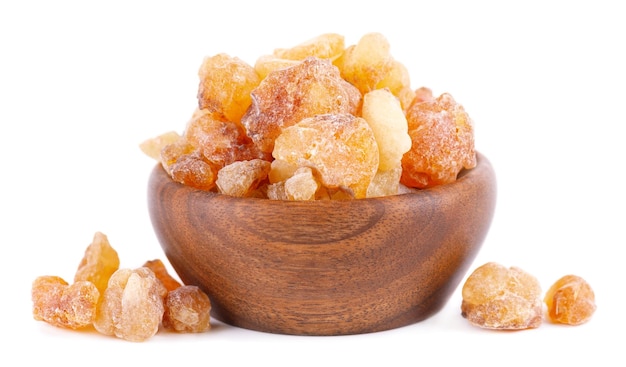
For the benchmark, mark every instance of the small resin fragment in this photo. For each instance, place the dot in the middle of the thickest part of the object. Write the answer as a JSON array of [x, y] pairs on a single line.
[[276, 191], [385, 183], [187, 310], [496, 297], [152, 147], [286, 96], [242, 178], [325, 143], [63, 305], [132, 306], [325, 46], [160, 271], [194, 171], [99, 262], [225, 86], [302, 185], [570, 301], [442, 137]]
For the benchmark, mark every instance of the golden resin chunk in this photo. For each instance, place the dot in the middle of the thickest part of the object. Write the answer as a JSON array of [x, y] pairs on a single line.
[[225, 86], [325, 143], [442, 135], [497, 297], [287, 96], [570, 300]]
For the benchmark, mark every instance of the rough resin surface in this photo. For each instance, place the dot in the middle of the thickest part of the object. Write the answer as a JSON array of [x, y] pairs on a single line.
[[496, 297], [570, 300], [243, 110], [99, 262], [61, 304], [132, 306], [443, 142], [187, 309]]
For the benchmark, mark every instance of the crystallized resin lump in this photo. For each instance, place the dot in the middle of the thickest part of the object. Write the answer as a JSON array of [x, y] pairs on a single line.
[[132, 306], [570, 300], [496, 297], [61, 304], [422, 140]]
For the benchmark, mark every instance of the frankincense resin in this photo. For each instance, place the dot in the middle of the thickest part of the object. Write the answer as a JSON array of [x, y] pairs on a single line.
[[99, 262], [61, 304], [187, 310], [570, 300], [132, 306], [497, 297]]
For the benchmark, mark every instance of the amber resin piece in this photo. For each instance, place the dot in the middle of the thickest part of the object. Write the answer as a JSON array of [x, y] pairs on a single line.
[[219, 141], [325, 143], [99, 262], [369, 65], [325, 46], [287, 96], [170, 153], [160, 271], [132, 306], [496, 297], [63, 305], [225, 86], [193, 170], [242, 178], [442, 135], [384, 114], [153, 147], [570, 300], [302, 185], [187, 310]]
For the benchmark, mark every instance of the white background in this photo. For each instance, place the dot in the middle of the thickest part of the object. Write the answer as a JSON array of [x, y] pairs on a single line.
[[83, 83]]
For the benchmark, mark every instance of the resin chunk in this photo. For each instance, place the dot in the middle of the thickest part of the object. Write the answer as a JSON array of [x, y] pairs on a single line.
[[302, 185], [225, 86], [384, 114], [570, 300], [242, 178], [187, 310], [63, 305], [194, 171], [286, 96], [325, 143], [99, 262], [496, 297], [442, 135], [219, 141], [132, 306]]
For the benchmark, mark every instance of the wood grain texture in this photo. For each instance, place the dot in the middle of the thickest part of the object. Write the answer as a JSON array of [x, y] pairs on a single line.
[[324, 267]]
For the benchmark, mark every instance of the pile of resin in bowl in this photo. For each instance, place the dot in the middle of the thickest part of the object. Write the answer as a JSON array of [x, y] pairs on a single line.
[[320, 120]]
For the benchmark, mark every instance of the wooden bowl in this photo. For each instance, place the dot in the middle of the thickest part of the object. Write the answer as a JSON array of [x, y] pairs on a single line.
[[324, 267]]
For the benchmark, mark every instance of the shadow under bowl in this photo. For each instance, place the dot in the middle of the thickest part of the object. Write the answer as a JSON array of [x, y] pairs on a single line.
[[324, 267]]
